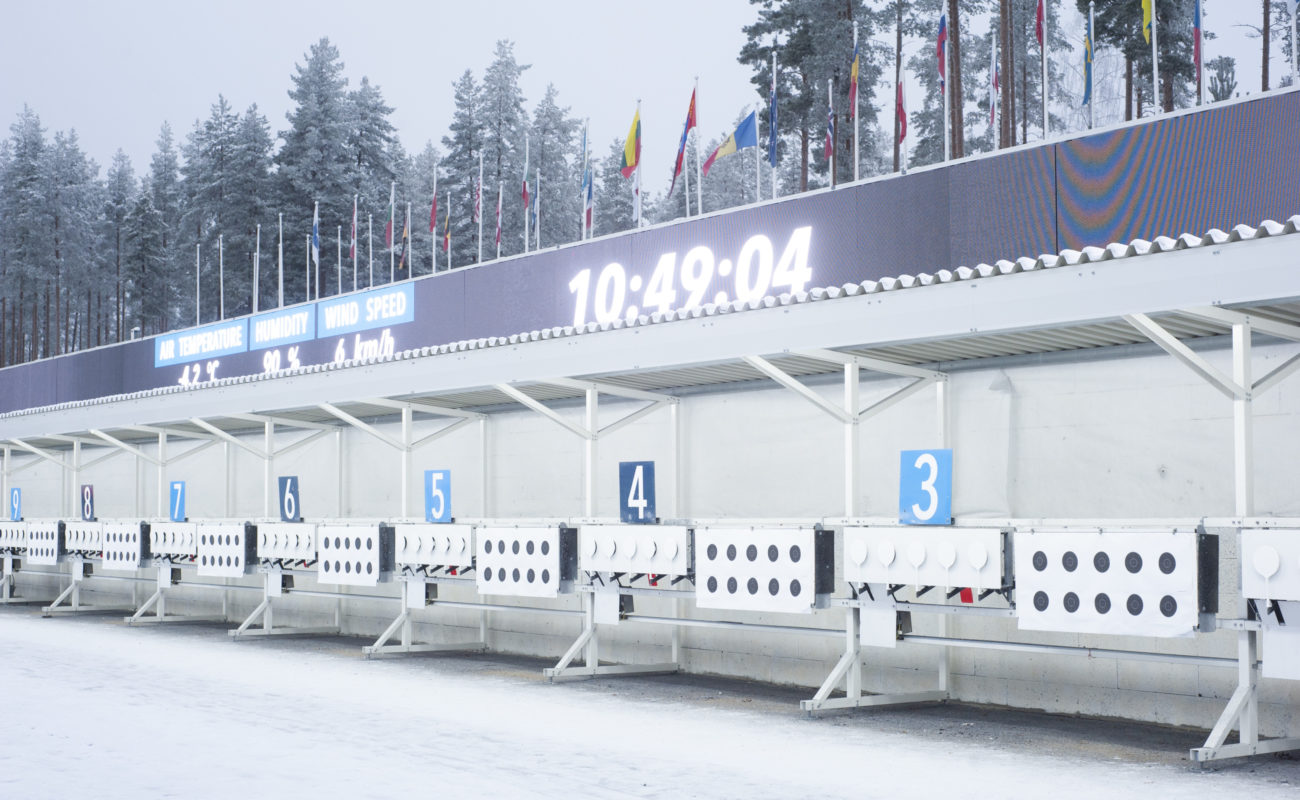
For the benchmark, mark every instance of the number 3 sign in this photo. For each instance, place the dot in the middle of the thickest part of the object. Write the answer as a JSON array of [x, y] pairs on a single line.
[[925, 487]]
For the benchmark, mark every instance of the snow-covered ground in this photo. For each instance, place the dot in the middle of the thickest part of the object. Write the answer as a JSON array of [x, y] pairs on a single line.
[[92, 708]]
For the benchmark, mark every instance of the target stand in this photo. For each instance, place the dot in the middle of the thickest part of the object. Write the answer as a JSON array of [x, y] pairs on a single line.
[[419, 592], [276, 586]]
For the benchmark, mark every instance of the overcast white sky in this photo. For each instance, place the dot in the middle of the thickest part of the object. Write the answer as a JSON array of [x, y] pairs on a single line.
[[115, 71]]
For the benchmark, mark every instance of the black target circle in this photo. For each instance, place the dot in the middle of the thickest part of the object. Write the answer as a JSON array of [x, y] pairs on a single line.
[[773, 553], [731, 552], [1168, 606], [1133, 563], [751, 553], [731, 585], [1102, 603], [712, 584], [1134, 604], [1101, 562], [712, 552], [773, 587], [1070, 561], [1040, 601], [1040, 561], [752, 585], [795, 588], [1167, 563], [1071, 602]]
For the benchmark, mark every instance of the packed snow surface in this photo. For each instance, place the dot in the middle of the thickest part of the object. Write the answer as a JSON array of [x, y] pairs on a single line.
[[92, 708]]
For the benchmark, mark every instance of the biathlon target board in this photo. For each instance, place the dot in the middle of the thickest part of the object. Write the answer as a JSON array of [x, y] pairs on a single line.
[[13, 536], [354, 555], [45, 542], [635, 549], [125, 545], [434, 545], [174, 539], [1270, 564], [949, 557], [286, 541], [84, 538], [526, 562], [226, 551], [763, 569]]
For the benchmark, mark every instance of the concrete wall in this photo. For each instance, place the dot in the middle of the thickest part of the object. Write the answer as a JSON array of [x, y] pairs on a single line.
[[1134, 435]]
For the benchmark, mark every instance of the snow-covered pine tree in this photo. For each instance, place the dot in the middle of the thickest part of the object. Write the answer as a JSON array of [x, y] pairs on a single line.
[[144, 263], [613, 194], [74, 199], [120, 189], [460, 168], [504, 123], [249, 192], [26, 234], [554, 143], [164, 186]]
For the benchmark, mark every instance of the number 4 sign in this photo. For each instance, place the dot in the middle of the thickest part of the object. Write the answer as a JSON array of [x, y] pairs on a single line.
[[925, 487], [636, 492]]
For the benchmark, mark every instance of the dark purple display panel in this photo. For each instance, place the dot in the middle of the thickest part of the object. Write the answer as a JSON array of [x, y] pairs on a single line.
[[1224, 166]]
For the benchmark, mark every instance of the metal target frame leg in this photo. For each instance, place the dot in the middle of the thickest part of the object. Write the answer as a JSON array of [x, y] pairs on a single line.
[[849, 670], [266, 612], [1242, 712], [158, 601], [588, 643], [72, 595], [403, 623]]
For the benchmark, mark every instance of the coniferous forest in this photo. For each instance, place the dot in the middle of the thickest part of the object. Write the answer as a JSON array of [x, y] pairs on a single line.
[[93, 254]]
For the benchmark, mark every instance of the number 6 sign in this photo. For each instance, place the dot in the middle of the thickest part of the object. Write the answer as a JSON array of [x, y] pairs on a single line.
[[925, 487]]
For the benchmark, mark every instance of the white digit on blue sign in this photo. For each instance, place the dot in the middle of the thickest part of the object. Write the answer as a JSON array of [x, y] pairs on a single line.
[[87, 502], [289, 498], [178, 501], [925, 487], [636, 494], [15, 505], [437, 495]]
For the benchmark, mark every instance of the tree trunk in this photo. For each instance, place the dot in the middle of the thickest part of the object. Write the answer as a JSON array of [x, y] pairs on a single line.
[[803, 144], [1006, 127], [957, 117], [1128, 89], [1264, 39]]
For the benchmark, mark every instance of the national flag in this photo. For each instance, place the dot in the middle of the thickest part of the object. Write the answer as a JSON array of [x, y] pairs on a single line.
[[392, 216], [527, 205], [446, 227], [498, 222], [478, 198], [632, 147], [1087, 63], [352, 249], [433, 212], [681, 148], [588, 195], [853, 83], [941, 51], [1038, 23], [994, 85], [902, 114], [315, 236], [772, 137], [745, 136], [1196, 35], [1146, 20], [830, 134], [406, 239]]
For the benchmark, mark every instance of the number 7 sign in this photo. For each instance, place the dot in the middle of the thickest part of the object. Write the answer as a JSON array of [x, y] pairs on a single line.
[[925, 487]]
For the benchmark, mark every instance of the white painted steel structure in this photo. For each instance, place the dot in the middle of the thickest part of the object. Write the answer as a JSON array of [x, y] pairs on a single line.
[[1238, 284]]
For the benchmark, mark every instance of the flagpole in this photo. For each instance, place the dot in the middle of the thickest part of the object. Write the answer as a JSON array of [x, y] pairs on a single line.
[[280, 261], [1155, 62], [478, 206], [447, 243], [903, 91], [758, 156], [501, 189], [527, 202], [699, 178], [854, 110], [1295, 44], [370, 247], [947, 93], [537, 203], [636, 181], [198, 288], [1047, 13], [433, 225], [257, 265], [996, 135], [686, 175], [221, 277], [830, 105], [307, 264], [1199, 44], [773, 128], [338, 243], [392, 232], [354, 242], [406, 241], [582, 188], [1092, 49]]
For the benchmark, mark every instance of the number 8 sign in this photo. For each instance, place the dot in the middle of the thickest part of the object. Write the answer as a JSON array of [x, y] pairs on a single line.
[[925, 487]]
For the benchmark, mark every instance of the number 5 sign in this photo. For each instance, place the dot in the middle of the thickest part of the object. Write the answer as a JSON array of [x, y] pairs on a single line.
[[925, 487]]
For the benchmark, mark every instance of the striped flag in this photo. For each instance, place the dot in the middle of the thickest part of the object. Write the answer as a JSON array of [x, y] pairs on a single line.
[[1038, 23], [315, 235], [941, 49], [772, 137], [902, 114], [392, 216], [853, 82], [1196, 37], [406, 238], [1146, 20], [830, 129], [500, 190], [632, 147], [1087, 64], [681, 148], [446, 227], [352, 249], [746, 135]]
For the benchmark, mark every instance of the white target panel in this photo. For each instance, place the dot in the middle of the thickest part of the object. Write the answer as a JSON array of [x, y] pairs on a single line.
[[286, 541], [526, 562], [13, 536], [763, 569], [356, 555], [648, 549], [225, 551], [951, 557], [1131, 582], [84, 538], [124, 545], [174, 539], [1270, 564], [45, 542], [434, 545]]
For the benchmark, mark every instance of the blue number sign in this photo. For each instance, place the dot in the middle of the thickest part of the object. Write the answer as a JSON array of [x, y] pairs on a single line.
[[87, 502], [636, 491], [178, 501], [437, 495], [15, 505], [925, 487], [290, 509]]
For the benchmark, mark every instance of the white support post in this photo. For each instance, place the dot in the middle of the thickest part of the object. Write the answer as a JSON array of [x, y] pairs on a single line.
[[4, 475], [340, 461], [589, 470], [1243, 437], [679, 484], [407, 422], [230, 482], [852, 438], [483, 475], [74, 490], [941, 422], [163, 501], [268, 464]]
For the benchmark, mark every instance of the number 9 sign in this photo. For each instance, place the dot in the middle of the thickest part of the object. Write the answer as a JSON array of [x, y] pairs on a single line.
[[925, 487], [15, 505]]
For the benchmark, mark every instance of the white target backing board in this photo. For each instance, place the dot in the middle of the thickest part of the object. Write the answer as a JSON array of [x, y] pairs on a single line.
[[45, 542], [1129, 582], [440, 545], [225, 550], [286, 541], [355, 555], [961, 557], [526, 562], [174, 539], [124, 545], [1270, 564], [13, 536], [85, 538], [763, 569], [638, 549]]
